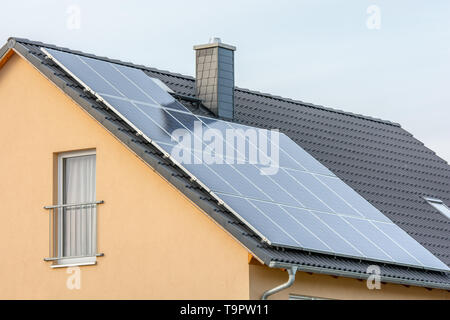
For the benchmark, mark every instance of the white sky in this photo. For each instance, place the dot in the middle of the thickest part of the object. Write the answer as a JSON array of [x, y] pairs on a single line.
[[315, 51]]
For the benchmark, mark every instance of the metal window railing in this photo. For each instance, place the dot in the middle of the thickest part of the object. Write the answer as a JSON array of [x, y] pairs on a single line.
[[73, 231]]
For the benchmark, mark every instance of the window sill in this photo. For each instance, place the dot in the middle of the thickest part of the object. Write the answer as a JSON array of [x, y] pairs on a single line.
[[65, 262]]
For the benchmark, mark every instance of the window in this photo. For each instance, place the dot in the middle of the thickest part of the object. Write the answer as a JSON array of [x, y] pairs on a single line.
[[440, 206], [74, 219]]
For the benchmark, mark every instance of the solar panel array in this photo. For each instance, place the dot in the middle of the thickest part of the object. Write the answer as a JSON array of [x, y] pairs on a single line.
[[303, 205]]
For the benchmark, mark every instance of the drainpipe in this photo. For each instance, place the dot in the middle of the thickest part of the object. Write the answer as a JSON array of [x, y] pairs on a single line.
[[291, 271]]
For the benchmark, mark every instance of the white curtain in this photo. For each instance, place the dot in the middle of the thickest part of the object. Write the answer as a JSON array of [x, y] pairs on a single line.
[[79, 223]]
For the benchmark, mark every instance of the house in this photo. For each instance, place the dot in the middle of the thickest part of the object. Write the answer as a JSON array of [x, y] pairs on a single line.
[[81, 185]]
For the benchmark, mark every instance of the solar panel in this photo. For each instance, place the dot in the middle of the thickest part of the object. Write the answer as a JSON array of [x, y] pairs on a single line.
[[303, 205], [162, 85]]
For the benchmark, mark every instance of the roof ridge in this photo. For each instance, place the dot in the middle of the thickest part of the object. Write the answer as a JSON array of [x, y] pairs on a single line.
[[186, 77], [317, 106], [90, 55]]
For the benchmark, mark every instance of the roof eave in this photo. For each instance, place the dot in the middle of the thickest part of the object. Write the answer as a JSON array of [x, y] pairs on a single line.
[[357, 275]]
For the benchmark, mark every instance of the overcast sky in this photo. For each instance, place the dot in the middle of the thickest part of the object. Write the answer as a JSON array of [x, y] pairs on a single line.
[[387, 59]]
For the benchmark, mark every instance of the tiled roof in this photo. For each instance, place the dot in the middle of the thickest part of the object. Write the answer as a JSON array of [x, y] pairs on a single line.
[[377, 158], [380, 160]]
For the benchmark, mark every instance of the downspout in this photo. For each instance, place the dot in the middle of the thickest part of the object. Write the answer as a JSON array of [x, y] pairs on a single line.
[[291, 271]]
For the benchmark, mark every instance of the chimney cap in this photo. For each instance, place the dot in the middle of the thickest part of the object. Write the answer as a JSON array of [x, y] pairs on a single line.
[[215, 42]]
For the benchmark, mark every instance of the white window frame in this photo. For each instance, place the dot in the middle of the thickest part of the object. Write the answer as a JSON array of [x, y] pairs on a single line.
[[67, 262], [439, 205]]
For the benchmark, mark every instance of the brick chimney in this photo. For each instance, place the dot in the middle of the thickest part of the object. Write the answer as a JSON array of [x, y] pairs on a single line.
[[215, 77]]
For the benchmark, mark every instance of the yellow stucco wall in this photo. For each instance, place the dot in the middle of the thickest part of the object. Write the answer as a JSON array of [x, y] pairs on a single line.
[[328, 287], [157, 244]]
